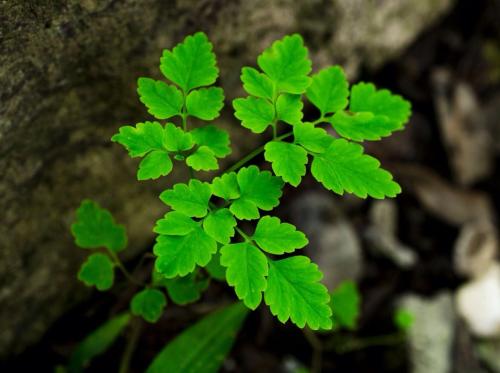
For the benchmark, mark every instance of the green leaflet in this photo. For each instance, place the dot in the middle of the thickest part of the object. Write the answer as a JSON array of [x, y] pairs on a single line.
[[190, 64], [226, 186], [215, 269], [255, 113], [294, 293], [311, 138], [202, 159], [179, 255], [175, 139], [162, 100], [175, 223], [95, 227], [247, 269], [289, 108], [216, 139], [205, 103], [403, 319], [344, 168], [185, 290], [190, 199], [155, 164], [149, 304], [345, 303], [203, 346], [97, 342], [287, 64], [329, 90], [97, 271], [256, 83], [141, 139], [288, 160], [278, 238], [220, 225]]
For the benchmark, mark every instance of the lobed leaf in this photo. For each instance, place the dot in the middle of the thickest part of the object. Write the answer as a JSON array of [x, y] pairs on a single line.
[[255, 113], [149, 304], [98, 271], [175, 139], [315, 140], [278, 238], [288, 160], [289, 108], [226, 186], [256, 83], [157, 163], [202, 159], [215, 269], [329, 90], [205, 103], [185, 290], [175, 223], [141, 139], [345, 303], [190, 199], [216, 139], [220, 225], [162, 100]]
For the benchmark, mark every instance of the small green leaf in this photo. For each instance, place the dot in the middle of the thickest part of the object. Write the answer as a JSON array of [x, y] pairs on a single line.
[[95, 227], [255, 113], [314, 139], [97, 342], [203, 346], [179, 255], [226, 186], [202, 159], [205, 103], [155, 164], [175, 223], [162, 100], [190, 199], [294, 292], [403, 319], [176, 140], [141, 139], [256, 83], [215, 138], [185, 290], [258, 190], [220, 225], [287, 64], [345, 303], [344, 168], [289, 108], [278, 238], [363, 126], [215, 269], [288, 160], [329, 90], [246, 271], [97, 271], [190, 64], [149, 304]]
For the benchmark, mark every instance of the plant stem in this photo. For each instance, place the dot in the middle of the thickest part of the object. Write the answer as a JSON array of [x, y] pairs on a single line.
[[317, 348], [124, 270], [131, 344], [356, 344], [243, 234]]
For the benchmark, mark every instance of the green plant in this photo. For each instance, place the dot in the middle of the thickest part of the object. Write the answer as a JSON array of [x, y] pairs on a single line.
[[202, 236]]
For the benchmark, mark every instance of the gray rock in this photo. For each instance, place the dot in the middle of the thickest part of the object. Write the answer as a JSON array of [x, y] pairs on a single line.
[[67, 76]]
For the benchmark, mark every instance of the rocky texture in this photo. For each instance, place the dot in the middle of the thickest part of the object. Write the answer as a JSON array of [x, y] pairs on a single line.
[[67, 78]]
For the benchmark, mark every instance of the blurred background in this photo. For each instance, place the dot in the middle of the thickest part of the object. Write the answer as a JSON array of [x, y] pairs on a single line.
[[68, 72]]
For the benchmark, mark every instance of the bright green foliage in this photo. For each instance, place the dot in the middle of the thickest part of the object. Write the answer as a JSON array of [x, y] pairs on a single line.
[[278, 238], [97, 271], [258, 190], [403, 319], [191, 64], [345, 303], [202, 159], [185, 290], [162, 100], [344, 167], [294, 293], [155, 164], [190, 199], [203, 346], [217, 140], [289, 108], [288, 160], [149, 304], [205, 103], [287, 64], [255, 113], [226, 186], [329, 90], [256, 83], [175, 139], [247, 269], [220, 225], [95, 227], [313, 139], [97, 342], [176, 224], [215, 269], [141, 139]]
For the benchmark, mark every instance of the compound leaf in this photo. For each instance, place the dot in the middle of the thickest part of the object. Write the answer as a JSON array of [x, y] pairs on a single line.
[[205, 103], [149, 304], [247, 269], [256, 83], [190, 64], [202, 159], [255, 113], [345, 303], [220, 225], [157, 163], [294, 292], [179, 255], [97, 271], [289, 108], [162, 100], [288, 160], [214, 138], [276, 237], [184, 290], [203, 346], [95, 227], [175, 223], [329, 90], [176, 140], [190, 199], [363, 126], [314, 139], [287, 64], [141, 139], [226, 186], [344, 168]]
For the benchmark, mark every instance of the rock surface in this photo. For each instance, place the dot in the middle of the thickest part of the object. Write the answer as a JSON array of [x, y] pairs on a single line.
[[67, 76]]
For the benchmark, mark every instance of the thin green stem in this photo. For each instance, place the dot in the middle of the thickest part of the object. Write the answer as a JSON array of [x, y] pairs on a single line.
[[131, 345], [356, 344], [124, 270], [317, 347], [243, 234]]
